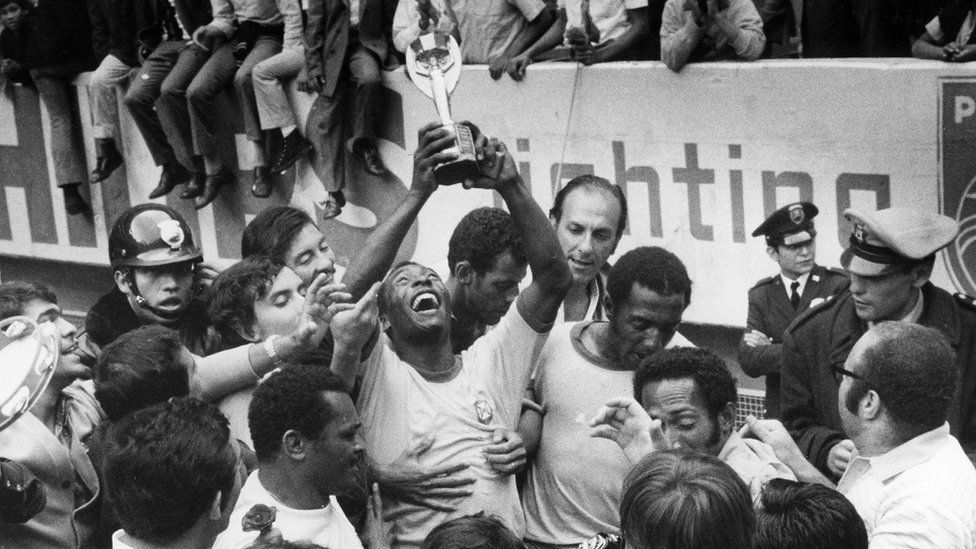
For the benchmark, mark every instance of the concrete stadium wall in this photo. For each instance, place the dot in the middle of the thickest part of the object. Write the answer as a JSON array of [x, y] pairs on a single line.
[[703, 155]]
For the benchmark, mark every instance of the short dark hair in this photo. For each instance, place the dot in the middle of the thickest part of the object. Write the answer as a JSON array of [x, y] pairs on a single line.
[[272, 231], [594, 183], [290, 399], [140, 368], [165, 464], [472, 532], [715, 383], [231, 298], [481, 236], [25, 5], [677, 499], [913, 369], [14, 296], [653, 268], [806, 516]]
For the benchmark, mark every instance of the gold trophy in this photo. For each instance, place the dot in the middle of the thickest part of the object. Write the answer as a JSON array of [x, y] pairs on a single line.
[[434, 65]]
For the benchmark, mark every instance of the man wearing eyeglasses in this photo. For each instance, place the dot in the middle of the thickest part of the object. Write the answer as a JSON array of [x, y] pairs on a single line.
[[890, 259], [775, 301]]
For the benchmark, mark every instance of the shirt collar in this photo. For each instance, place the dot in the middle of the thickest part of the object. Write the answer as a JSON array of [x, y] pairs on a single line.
[[908, 454], [802, 279]]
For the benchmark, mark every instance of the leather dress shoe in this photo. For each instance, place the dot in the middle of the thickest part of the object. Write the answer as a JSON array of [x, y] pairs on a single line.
[[293, 147], [261, 187], [173, 175], [370, 156], [211, 187], [107, 161], [74, 203], [195, 186]]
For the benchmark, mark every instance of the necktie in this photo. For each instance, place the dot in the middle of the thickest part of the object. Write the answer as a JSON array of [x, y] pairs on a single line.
[[794, 295]]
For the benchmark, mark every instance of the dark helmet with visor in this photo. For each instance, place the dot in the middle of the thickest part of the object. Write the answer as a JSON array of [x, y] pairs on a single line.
[[150, 235]]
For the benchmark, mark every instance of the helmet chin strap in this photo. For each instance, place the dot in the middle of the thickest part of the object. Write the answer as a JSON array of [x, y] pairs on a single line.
[[142, 302]]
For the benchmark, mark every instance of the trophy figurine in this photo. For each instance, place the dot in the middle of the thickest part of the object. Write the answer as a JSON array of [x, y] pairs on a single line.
[[434, 65]]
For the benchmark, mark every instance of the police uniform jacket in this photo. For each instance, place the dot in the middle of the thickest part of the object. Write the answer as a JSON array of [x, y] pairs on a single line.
[[824, 336], [771, 312]]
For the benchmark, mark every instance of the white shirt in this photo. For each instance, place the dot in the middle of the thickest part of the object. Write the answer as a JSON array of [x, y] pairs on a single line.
[[117, 542], [327, 527], [920, 494], [787, 281], [609, 16], [400, 408]]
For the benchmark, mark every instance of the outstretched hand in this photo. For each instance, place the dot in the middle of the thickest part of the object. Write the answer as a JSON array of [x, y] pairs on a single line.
[[433, 142], [352, 324], [623, 421], [379, 532], [497, 166]]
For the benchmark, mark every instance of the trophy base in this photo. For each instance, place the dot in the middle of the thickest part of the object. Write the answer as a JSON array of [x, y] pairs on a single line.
[[463, 167]]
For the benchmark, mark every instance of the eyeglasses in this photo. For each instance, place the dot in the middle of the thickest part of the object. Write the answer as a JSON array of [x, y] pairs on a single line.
[[840, 372]]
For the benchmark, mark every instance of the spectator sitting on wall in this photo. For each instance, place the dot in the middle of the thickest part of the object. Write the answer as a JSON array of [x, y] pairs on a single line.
[[596, 31], [491, 32], [710, 30], [949, 36], [50, 45]]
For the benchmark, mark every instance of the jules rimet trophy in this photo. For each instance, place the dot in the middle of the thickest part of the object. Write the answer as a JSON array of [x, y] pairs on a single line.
[[434, 65]]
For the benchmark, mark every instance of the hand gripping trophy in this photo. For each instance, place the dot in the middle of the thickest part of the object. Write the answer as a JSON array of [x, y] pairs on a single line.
[[434, 65]]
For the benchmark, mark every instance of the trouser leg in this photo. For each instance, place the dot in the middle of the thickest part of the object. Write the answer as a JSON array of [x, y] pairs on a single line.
[[172, 107]]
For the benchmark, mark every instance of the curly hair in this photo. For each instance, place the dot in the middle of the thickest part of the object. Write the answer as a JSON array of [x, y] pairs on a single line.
[[25, 5], [593, 183], [913, 369], [481, 236], [231, 298], [139, 369], [653, 268], [272, 231], [290, 399], [14, 296], [165, 464], [476, 531], [715, 384], [806, 516], [678, 499]]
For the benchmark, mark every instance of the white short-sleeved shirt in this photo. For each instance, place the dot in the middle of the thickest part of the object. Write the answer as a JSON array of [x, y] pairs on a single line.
[[400, 408], [609, 16], [327, 527]]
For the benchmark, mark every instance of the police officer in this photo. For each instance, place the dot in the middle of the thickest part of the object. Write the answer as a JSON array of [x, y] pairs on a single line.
[[890, 259], [775, 301], [156, 267]]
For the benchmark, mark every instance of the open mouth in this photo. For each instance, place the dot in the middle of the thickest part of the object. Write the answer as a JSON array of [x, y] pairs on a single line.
[[426, 301]]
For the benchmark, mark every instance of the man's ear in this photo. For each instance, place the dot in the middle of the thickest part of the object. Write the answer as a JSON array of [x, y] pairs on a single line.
[[249, 334], [921, 273], [293, 444], [463, 272], [122, 281], [870, 405], [726, 418], [772, 253]]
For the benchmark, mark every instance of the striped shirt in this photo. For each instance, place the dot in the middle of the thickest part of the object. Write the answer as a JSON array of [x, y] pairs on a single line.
[[920, 494]]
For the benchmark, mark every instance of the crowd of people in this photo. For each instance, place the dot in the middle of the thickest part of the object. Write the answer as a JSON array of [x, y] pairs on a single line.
[[272, 405], [172, 58]]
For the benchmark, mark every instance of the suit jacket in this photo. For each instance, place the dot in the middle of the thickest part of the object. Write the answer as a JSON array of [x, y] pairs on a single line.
[[771, 312], [156, 16], [824, 336], [327, 37], [60, 467], [115, 25]]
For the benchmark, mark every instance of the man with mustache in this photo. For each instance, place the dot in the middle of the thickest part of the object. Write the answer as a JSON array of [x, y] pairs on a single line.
[[157, 270]]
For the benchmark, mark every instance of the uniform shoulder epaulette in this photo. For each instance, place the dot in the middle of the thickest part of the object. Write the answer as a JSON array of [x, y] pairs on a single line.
[[966, 301], [764, 281]]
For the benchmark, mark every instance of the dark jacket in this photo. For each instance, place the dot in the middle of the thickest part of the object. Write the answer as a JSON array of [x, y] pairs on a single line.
[[161, 21], [327, 37], [115, 27], [824, 335], [112, 316], [14, 45], [771, 312]]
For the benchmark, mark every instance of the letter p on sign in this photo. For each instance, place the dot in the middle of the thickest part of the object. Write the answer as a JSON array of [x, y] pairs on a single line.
[[965, 107]]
